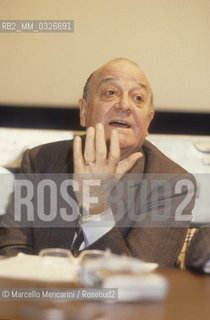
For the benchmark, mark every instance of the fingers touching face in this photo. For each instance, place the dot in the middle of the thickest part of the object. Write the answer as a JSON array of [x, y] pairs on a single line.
[[95, 151]]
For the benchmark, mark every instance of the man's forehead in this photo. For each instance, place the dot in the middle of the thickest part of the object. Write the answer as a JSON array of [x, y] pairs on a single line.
[[117, 70], [114, 80]]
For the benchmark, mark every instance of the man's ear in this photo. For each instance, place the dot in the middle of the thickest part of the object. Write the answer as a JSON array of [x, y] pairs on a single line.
[[151, 116], [82, 105]]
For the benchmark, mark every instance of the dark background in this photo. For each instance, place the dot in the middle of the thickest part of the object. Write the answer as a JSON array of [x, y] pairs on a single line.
[[68, 119]]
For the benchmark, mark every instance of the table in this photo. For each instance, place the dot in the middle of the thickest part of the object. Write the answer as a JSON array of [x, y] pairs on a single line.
[[188, 298]]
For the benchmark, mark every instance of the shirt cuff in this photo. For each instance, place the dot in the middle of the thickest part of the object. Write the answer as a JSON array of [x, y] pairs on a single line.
[[206, 267], [97, 227]]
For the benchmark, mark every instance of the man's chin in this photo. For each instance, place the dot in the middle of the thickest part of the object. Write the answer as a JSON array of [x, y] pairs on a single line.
[[128, 146], [125, 145]]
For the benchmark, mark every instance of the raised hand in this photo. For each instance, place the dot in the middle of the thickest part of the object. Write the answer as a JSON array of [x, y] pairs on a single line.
[[99, 164]]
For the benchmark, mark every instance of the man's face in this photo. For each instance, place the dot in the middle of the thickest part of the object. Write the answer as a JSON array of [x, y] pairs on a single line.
[[119, 97]]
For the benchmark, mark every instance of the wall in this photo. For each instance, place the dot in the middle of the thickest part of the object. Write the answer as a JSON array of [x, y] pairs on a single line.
[[168, 39]]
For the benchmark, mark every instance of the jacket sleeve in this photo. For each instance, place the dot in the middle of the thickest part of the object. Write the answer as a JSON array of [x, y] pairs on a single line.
[[16, 237], [198, 252]]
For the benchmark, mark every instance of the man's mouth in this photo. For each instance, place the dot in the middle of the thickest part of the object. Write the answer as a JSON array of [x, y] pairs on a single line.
[[119, 124]]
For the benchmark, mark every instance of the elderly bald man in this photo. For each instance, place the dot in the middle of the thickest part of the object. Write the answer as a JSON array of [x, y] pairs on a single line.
[[148, 221]]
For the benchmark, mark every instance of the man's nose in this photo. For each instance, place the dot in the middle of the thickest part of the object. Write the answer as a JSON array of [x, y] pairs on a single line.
[[123, 103]]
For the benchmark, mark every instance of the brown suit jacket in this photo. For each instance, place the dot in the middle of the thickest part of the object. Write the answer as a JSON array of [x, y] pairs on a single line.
[[155, 242]]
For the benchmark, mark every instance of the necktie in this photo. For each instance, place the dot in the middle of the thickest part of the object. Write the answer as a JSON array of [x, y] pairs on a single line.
[[77, 243]]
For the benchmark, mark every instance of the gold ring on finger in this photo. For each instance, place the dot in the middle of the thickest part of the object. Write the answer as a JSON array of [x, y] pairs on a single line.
[[90, 163]]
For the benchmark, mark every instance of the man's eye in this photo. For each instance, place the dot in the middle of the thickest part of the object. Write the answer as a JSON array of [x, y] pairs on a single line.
[[138, 98], [110, 92]]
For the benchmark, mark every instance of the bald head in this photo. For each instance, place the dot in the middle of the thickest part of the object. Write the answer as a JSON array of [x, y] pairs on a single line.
[[118, 64]]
